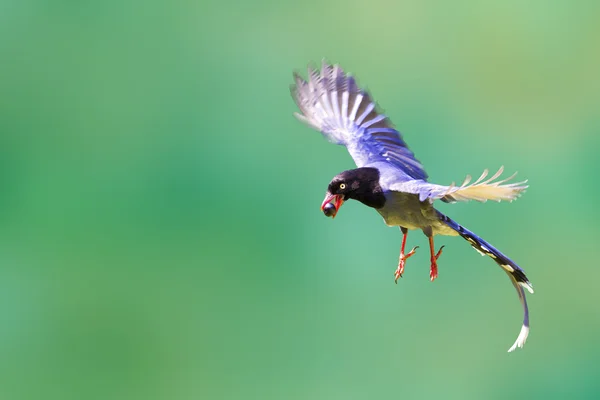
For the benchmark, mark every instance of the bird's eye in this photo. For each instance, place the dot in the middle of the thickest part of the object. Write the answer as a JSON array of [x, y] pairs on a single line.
[[342, 186]]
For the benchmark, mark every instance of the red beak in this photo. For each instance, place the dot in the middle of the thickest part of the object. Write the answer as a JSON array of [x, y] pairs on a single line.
[[338, 200]]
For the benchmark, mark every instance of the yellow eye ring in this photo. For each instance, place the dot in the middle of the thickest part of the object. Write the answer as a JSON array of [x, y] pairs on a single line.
[[342, 186]]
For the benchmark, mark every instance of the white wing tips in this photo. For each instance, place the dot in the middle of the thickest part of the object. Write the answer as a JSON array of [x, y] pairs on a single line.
[[489, 189], [521, 339], [330, 101], [304, 120], [323, 100]]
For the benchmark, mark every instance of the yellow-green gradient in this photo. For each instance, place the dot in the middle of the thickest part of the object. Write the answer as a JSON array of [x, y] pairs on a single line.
[[160, 232]]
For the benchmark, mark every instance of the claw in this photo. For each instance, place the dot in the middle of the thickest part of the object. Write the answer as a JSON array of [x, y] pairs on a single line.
[[402, 262], [439, 253], [398, 273], [433, 270], [411, 252]]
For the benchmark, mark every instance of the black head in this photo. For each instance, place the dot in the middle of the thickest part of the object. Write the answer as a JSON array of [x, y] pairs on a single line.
[[360, 184]]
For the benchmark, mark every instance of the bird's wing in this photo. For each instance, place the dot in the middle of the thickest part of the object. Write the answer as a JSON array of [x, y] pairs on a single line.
[[331, 102], [480, 190]]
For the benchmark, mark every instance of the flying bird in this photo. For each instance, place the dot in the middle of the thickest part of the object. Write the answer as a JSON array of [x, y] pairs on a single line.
[[390, 179]]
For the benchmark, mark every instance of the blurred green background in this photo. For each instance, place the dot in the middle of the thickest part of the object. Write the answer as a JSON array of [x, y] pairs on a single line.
[[160, 232]]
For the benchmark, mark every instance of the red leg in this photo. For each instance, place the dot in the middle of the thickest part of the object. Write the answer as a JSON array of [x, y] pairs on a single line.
[[403, 257], [433, 271]]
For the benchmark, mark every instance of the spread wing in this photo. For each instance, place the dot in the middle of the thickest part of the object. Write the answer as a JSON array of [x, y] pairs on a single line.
[[480, 190], [332, 102]]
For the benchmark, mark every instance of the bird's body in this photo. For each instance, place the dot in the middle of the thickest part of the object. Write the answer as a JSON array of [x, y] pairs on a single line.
[[390, 179], [405, 210]]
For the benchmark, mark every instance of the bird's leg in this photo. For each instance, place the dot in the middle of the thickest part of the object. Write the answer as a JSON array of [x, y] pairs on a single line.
[[433, 271], [403, 257]]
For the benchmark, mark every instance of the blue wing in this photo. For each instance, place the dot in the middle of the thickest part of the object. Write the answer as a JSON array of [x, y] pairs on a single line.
[[332, 102]]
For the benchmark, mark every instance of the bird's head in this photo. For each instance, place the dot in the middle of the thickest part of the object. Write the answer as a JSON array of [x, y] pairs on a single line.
[[360, 184]]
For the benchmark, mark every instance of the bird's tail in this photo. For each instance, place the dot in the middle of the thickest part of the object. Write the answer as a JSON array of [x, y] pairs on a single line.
[[514, 272]]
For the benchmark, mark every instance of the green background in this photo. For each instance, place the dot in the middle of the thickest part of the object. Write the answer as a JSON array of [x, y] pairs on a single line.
[[160, 232]]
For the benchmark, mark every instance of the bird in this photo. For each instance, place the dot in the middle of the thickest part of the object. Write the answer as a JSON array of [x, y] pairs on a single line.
[[390, 179]]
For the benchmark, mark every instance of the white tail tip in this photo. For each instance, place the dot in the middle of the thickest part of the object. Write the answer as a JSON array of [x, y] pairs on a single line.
[[521, 339], [527, 286]]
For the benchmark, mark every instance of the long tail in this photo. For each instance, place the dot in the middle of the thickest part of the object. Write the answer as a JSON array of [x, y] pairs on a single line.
[[514, 272]]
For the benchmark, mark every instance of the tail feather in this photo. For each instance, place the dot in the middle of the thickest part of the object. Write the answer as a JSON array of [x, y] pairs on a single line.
[[515, 273]]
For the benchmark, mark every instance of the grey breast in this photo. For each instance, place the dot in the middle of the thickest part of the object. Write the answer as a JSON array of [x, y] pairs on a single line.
[[405, 210]]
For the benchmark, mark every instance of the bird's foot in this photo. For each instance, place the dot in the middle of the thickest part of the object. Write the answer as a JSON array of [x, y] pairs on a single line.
[[433, 271], [402, 262]]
